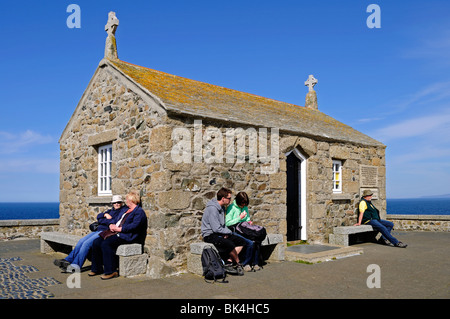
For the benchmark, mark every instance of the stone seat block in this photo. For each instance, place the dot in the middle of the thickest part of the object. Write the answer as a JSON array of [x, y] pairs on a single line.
[[129, 250], [272, 239], [346, 230], [132, 265], [197, 248], [51, 240], [341, 234]]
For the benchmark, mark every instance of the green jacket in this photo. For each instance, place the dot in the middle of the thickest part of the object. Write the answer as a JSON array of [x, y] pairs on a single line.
[[233, 212], [371, 212]]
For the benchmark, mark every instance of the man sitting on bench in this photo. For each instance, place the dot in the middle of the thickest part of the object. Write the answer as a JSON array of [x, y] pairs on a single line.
[[369, 215], [215, 232]]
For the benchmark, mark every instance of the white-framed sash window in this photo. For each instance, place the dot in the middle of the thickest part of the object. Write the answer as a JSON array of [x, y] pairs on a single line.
[[337, 176], [104, 170]]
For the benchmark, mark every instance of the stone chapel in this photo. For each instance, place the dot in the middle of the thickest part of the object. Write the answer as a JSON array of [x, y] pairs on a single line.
[[177, 141]]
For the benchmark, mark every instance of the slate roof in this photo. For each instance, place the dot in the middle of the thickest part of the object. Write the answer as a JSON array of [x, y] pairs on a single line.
[[189, 97]]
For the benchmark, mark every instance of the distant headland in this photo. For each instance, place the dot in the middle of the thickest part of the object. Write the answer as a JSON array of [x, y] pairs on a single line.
[[437, 196]]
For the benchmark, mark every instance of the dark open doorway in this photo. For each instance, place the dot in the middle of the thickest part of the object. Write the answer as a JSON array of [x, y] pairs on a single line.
[[294, 197]]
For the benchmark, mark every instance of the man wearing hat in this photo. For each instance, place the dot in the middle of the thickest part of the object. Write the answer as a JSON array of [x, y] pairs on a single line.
[[78, 255], [369, 215]]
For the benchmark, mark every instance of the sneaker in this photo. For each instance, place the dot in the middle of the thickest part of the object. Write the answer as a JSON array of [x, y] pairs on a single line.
[[61, 263], [401, 245], [229, 269], [256, 268], [248, 268], [240, 271], [72, 269]]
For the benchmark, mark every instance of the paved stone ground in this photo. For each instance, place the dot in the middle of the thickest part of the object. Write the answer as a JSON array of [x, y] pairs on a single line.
[[15, 283], [417, 272]]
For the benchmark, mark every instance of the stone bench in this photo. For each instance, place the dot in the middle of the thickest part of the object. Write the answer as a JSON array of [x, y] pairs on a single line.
[[132, 261], [341, 234], [272, 248]]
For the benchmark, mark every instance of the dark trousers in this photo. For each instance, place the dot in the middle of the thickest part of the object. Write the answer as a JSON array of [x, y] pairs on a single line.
[[225, 245], [104, 258]]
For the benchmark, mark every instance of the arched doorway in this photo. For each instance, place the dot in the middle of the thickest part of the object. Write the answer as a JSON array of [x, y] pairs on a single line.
[[296, 195]]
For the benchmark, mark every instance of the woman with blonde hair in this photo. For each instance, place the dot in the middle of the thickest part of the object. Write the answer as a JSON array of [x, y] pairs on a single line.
[[128, 228]]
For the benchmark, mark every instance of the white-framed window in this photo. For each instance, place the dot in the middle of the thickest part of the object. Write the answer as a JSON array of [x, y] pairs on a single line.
[[337, 176], [104, 170]]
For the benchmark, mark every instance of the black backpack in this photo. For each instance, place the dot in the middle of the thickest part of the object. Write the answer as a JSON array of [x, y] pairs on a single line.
[[251, 231], [212, 264]]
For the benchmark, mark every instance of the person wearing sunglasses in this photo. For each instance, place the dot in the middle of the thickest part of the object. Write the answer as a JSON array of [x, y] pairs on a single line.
[[215, 232], [78, 255]]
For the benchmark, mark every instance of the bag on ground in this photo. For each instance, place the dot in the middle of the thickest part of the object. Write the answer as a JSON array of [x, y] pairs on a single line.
[[212, 264], [251, 231]]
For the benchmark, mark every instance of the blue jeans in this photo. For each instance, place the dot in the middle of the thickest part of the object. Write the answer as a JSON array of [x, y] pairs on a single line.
[[79, 254], [384, 227], [249, 248]]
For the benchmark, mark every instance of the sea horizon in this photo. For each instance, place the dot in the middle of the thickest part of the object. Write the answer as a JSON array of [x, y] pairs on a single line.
[[395, 206], [446, 196], [29, 210]]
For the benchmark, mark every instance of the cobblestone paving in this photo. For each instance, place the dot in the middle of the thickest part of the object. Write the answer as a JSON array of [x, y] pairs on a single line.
[[15, 284]]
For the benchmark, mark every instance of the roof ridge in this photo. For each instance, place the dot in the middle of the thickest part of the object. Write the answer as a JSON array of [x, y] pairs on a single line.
[[202, 82]]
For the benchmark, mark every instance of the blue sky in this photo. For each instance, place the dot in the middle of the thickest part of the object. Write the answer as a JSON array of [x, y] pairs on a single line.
[[392, 83]]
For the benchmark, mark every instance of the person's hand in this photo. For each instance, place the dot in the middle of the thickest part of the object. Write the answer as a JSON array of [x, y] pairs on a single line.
[[357, 224], [114, 228], [107, 216], [242, 215]]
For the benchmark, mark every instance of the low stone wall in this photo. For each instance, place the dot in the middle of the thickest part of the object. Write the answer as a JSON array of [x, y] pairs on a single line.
[[31, 228], [26, 228], [420, 222]]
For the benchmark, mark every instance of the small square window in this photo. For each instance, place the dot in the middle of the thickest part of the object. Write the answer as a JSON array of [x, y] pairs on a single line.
[[104, 170]]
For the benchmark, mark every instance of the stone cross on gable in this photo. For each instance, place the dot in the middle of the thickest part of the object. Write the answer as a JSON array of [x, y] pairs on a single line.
[[110, 28], [311, 82], [112, 24]]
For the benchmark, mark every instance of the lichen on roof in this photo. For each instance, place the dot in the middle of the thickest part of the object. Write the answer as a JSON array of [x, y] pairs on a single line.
[[194, 98]]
